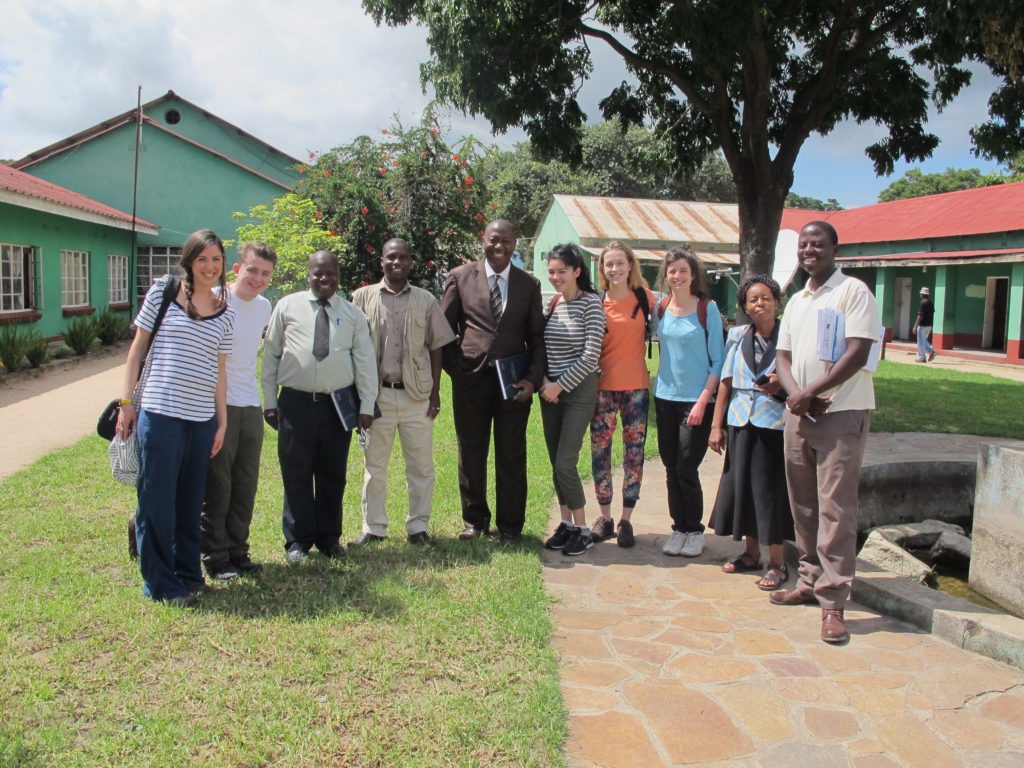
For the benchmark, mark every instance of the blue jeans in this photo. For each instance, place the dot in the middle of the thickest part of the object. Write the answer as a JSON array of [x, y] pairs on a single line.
[[174, 454], [923, 347]]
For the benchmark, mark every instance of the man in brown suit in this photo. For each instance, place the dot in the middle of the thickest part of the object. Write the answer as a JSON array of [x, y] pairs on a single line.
[[495, 310]]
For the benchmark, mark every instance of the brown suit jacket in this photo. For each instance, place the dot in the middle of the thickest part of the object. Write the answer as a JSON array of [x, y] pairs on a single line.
[[467, 305]]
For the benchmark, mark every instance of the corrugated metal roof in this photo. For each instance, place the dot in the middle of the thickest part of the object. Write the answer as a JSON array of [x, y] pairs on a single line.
[[637, 220], [21, 183], [998, 208], [937, 257]]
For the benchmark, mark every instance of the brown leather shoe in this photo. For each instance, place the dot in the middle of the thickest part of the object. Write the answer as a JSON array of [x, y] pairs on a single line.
[[791, 597], [833, 626], [471, 532]]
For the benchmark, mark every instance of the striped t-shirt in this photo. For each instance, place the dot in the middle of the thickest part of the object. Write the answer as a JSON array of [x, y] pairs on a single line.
[[182, 378], [572, 338]]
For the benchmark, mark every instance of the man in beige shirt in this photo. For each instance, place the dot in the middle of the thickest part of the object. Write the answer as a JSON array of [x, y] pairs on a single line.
[[826, 426], [316, 343], [408, 331]]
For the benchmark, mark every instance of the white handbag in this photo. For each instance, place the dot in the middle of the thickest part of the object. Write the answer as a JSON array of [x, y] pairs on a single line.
[[124, 459]]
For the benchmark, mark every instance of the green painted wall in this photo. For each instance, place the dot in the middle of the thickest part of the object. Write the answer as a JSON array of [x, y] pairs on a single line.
[[51, 234], [214, 133], [969, 306], [985, 241], [182, 187], [554, 230]]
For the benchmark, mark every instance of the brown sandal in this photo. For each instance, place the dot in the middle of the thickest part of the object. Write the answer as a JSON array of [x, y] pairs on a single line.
[[743, 564], [773, 578]]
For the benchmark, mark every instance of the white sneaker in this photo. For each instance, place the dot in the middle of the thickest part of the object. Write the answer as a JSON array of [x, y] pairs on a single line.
[[675, 542], [693, 545]]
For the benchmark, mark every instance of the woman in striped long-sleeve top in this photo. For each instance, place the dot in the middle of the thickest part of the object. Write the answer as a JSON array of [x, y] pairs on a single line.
[[572, 337]]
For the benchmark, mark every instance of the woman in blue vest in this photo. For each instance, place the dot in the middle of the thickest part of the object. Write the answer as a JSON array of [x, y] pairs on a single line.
[[692, 347], [752, 502]]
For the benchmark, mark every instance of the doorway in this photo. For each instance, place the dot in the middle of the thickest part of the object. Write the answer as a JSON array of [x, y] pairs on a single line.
[[997, 299], [904, 297]]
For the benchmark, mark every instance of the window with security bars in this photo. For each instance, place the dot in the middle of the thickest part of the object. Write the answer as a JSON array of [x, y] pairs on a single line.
[[155, 261], [74, 278], [117, 278], [17, 277]]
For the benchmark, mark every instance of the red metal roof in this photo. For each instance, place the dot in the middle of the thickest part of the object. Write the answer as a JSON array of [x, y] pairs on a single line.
[[998, 208], [974, 255], [21, 183]]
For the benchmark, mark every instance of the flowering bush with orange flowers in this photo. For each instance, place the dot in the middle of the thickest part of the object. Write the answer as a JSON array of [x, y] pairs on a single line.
[[408, 183]]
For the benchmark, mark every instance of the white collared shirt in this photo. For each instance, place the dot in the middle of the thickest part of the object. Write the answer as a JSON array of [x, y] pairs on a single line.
[[798, 335]]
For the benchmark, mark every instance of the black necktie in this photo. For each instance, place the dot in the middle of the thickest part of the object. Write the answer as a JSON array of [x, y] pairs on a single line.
[[322, 332], [496, 299]]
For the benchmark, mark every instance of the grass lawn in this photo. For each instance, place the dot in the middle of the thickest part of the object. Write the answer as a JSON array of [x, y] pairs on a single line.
[[400, 656], [922, 398]]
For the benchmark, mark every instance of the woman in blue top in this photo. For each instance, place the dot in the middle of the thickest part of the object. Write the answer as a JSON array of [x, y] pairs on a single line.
[[692, 348], [753, 503]]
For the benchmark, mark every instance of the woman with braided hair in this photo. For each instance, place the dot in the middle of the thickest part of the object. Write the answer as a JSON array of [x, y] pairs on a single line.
[[182, 416]]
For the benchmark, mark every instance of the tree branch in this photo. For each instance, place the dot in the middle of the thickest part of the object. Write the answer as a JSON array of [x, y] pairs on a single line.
[[671, 73]]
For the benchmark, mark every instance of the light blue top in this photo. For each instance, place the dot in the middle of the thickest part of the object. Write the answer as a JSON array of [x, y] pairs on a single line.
[[684, 366], [748, 405]]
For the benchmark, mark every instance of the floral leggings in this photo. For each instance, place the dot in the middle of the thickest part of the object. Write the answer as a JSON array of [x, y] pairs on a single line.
[[632, 404]]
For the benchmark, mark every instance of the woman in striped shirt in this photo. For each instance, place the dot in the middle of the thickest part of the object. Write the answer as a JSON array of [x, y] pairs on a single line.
[[572, 337], [182, 417]]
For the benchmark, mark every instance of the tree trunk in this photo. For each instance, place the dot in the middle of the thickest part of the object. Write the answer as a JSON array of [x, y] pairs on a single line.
[[760, 213]]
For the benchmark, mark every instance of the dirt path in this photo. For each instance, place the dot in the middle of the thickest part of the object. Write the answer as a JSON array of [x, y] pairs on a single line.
[[39, 414]]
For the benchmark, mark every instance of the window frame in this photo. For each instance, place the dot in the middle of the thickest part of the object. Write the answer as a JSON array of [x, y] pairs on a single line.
[[74, 288], [118, 280]]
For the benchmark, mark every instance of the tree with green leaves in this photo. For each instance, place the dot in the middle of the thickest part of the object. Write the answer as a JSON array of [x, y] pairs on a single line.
[[636, 163], [753, 79], [406, 183], [916, 183], [812, 203]]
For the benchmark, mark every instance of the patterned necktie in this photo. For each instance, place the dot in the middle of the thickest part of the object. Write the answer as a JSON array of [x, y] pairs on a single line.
[[496, 299], [321, 332]]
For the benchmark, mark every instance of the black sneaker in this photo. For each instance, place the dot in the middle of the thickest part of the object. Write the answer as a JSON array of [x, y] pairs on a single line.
[[560, 537], [603, 528], [245, 566], [222, 571], [626, 538], [580, 542]]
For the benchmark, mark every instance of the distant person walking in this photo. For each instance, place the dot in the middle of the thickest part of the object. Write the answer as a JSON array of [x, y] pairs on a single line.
[[182, 417], [923, 327], [623, 389], [692, 348]]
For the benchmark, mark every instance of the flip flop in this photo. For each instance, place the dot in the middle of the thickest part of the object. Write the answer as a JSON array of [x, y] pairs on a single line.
[[773, 578], [745, 563]]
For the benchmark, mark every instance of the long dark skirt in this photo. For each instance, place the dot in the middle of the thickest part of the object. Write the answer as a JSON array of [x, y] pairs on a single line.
[[752, 498]]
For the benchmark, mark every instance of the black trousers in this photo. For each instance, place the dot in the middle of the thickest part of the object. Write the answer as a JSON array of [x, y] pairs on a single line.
[[476, 405], [682, 449], [312, 448]]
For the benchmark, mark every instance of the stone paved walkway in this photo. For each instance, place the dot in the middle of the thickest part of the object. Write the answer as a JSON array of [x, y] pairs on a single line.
[[669, 661]]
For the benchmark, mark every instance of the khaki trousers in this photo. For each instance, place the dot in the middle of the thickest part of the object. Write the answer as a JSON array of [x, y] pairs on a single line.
[[408, 417], [823, 461]]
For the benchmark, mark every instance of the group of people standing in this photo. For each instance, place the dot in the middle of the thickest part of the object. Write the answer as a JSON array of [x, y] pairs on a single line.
[[372, 366]]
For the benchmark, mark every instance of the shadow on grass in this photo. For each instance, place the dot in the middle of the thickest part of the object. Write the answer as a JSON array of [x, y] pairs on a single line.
[[367, 581]]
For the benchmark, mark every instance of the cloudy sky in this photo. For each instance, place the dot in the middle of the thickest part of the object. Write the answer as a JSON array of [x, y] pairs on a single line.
[[310, 74]]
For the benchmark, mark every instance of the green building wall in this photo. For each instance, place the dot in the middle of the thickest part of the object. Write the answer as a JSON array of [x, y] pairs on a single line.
[[182, 187], [51, 234]]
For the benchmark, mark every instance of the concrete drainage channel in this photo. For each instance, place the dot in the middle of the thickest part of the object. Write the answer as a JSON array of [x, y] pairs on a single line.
[[909, 477]]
